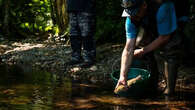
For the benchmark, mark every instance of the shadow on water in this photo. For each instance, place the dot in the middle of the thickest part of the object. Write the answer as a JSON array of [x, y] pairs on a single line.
[[40, 90]]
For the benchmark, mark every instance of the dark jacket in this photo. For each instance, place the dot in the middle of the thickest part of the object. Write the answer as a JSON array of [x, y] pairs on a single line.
[[81, 6]]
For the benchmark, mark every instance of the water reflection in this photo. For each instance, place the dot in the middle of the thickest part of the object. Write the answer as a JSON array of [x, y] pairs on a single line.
[[39, 90]]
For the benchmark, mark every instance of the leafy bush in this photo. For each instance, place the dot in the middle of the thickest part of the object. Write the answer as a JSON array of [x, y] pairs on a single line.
[[29, 17], [110, 25], [33, 16], [36, 17]]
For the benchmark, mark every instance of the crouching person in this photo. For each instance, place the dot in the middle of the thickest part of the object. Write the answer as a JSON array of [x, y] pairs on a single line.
[[161, 20]]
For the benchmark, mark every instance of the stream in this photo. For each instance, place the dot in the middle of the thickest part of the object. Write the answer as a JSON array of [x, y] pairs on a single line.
[[40, 90]]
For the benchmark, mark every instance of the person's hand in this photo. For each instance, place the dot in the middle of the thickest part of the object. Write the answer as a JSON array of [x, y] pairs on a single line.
[[122, 81], [139, 52]]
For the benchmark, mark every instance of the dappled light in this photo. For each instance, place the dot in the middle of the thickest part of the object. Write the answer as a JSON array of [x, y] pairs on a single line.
[[56, 58], [81, 88]]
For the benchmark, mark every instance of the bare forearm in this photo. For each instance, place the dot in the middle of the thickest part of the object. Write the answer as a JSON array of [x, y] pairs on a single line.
[[127, 57], [125, 62], [156, 43]]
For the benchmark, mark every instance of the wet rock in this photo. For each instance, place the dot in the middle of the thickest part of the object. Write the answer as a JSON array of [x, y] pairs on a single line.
[[93, 68], [3, 60], [68, 52], [94, 80], [46, 54], [75, 69], [38, 63]]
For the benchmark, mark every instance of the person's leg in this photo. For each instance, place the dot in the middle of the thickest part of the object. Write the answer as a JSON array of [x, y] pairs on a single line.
[[75, 39], [170, 71], [87, 26], [150, 62], [154, 73], [171, 53]]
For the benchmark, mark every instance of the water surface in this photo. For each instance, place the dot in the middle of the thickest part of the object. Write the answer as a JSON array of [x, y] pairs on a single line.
[[40, 90]]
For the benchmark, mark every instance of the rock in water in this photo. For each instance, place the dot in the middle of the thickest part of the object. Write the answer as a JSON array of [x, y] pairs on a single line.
[[122, 88]]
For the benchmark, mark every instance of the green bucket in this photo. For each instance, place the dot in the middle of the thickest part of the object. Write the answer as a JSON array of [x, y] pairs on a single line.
[[137, 89]]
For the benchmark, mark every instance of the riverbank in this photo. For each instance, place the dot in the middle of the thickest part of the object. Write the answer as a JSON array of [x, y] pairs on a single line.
[[47, 56]]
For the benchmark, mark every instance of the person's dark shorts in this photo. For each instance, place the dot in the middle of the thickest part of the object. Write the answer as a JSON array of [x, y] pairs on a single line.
[[82, 24]]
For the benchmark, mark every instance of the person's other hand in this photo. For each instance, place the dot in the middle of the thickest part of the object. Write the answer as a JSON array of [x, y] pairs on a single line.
[[122, 81], [139, 53]]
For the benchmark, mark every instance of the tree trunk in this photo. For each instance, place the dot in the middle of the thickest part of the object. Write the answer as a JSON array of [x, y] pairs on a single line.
[[6, 17], [60, 15]]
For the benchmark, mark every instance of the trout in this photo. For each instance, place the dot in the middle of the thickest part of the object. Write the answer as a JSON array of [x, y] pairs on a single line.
[[122, 88]]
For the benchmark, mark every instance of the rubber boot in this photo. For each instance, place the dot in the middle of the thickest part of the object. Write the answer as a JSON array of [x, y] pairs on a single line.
[[89, 53], [170, 72], [76, 44], [153, 68]]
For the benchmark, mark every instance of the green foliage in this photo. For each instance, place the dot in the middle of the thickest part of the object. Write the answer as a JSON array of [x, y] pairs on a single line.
[[35, 17], [32, 17], [1, 1], [110, 24]]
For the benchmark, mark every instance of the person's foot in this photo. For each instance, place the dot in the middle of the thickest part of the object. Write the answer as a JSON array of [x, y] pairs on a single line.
[[74, 61], [87, 64], [168, 92], [89, 59]]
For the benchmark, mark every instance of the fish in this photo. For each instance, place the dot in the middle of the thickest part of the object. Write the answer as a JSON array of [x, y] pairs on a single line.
[[122, 88]]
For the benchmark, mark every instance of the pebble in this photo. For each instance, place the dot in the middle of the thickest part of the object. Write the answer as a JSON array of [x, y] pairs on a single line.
[[93, 68], [51, 57], [68, 52], [38, 63], [75, 69]]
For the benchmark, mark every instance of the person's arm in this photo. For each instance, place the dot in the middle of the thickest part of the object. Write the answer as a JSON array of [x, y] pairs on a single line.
[[157, 43], [166, 25], [127, 57], [161, 40], [128, 52]]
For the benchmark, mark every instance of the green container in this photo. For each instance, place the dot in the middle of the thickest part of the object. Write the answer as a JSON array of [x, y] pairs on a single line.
[[137, 89]]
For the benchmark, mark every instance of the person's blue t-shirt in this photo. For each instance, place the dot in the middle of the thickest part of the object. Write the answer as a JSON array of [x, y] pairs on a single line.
[[166, 21], [131, 29]]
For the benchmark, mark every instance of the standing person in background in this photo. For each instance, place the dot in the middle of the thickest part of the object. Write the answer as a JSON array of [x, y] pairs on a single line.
[[82, 29], [162, 22]]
